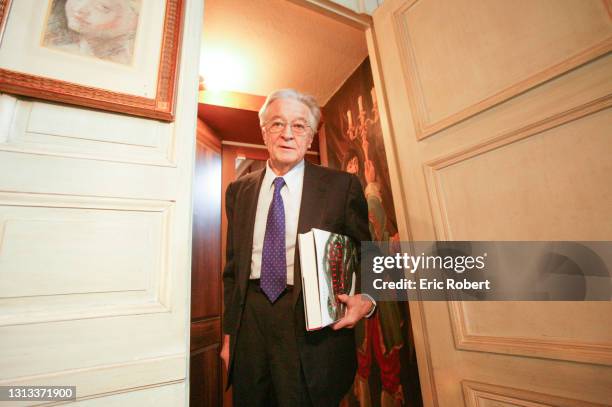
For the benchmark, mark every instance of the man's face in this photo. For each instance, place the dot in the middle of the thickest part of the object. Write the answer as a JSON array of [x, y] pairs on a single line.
[[287, 149]]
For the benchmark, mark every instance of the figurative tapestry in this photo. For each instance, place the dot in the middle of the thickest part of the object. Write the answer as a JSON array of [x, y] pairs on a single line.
[[387, 372], [102, 29]]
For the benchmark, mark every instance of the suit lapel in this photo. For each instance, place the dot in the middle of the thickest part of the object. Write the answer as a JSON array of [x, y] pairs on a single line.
[[313, 194], [249, 199]]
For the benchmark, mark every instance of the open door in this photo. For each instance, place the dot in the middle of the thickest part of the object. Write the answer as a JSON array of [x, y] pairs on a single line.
[[498, 126], [95, 239]]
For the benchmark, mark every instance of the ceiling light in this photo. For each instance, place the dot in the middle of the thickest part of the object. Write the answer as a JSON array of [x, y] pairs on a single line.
[[223, 69]]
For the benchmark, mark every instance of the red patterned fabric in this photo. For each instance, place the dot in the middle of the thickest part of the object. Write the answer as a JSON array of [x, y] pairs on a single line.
[[389, 365]]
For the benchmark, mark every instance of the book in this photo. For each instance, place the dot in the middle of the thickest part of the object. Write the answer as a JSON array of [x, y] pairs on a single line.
[[328, 263]]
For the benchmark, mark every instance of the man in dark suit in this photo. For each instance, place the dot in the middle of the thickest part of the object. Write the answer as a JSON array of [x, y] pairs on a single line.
[[271, 358]]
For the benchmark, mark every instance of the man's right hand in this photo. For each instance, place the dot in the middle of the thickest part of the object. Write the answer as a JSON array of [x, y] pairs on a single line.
[[225, 350]]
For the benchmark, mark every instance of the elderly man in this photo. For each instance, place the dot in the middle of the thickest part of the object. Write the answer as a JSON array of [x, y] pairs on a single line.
[[271, 358]]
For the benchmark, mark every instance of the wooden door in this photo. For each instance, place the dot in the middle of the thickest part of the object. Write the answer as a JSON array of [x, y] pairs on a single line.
[[499, 127], [205, 368]]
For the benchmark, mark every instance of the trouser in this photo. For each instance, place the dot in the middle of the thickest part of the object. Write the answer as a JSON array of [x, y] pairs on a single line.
[[267, 370]]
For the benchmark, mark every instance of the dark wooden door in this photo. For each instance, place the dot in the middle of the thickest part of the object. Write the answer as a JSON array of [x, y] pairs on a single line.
[[205, 369]]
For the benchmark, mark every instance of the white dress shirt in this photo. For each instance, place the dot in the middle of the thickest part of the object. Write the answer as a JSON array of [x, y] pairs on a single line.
[[291, 193]]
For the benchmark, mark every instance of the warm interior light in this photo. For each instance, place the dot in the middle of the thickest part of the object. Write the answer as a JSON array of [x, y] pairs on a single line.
[[223, 69]]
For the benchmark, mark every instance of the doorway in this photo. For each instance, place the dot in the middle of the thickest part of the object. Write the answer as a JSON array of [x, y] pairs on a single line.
[[275, 46]]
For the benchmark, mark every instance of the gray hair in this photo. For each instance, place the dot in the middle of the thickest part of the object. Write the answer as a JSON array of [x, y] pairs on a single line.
[[309, 101]]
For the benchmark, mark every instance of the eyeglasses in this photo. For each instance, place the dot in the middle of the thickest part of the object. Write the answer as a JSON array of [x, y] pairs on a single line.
[[298, 127]]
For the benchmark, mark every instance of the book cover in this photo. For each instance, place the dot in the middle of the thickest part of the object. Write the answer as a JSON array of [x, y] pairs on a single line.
[[328, 263]]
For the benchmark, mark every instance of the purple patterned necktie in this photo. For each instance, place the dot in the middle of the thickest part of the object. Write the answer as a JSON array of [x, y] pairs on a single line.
[[274, 256]]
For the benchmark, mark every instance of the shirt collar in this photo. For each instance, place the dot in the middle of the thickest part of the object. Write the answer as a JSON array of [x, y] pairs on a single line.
[[292, 178]]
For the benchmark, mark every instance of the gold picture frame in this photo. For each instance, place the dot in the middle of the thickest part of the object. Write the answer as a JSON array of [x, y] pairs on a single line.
[[111, 86]]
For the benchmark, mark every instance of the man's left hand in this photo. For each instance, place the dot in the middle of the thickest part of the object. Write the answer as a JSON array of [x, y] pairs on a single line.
[[357, 307]]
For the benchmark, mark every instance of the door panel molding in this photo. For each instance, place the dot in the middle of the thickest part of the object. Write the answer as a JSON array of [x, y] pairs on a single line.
[[94, 219], [50, 129], [432, 167], [416, 88], [576, 351], [128, 376], [478, 394]]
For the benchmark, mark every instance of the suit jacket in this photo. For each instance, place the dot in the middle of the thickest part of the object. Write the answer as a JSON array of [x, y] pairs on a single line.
[[331, 200]]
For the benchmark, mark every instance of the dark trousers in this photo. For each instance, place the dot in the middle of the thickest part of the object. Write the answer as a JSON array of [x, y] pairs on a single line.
[[267, 370]]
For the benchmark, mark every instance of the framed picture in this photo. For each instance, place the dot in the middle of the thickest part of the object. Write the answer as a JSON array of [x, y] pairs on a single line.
[[4, 9], [116, 55]]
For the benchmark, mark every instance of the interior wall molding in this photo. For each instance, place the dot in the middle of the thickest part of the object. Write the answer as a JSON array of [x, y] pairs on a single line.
[[337, 12], [424, 127], [207, 138]]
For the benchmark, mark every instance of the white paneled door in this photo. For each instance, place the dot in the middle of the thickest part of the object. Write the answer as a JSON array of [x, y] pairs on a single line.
[[499, 126], [95, 245]]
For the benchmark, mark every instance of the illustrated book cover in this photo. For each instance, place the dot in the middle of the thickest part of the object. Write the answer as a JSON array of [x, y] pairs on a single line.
[[328, 264]]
